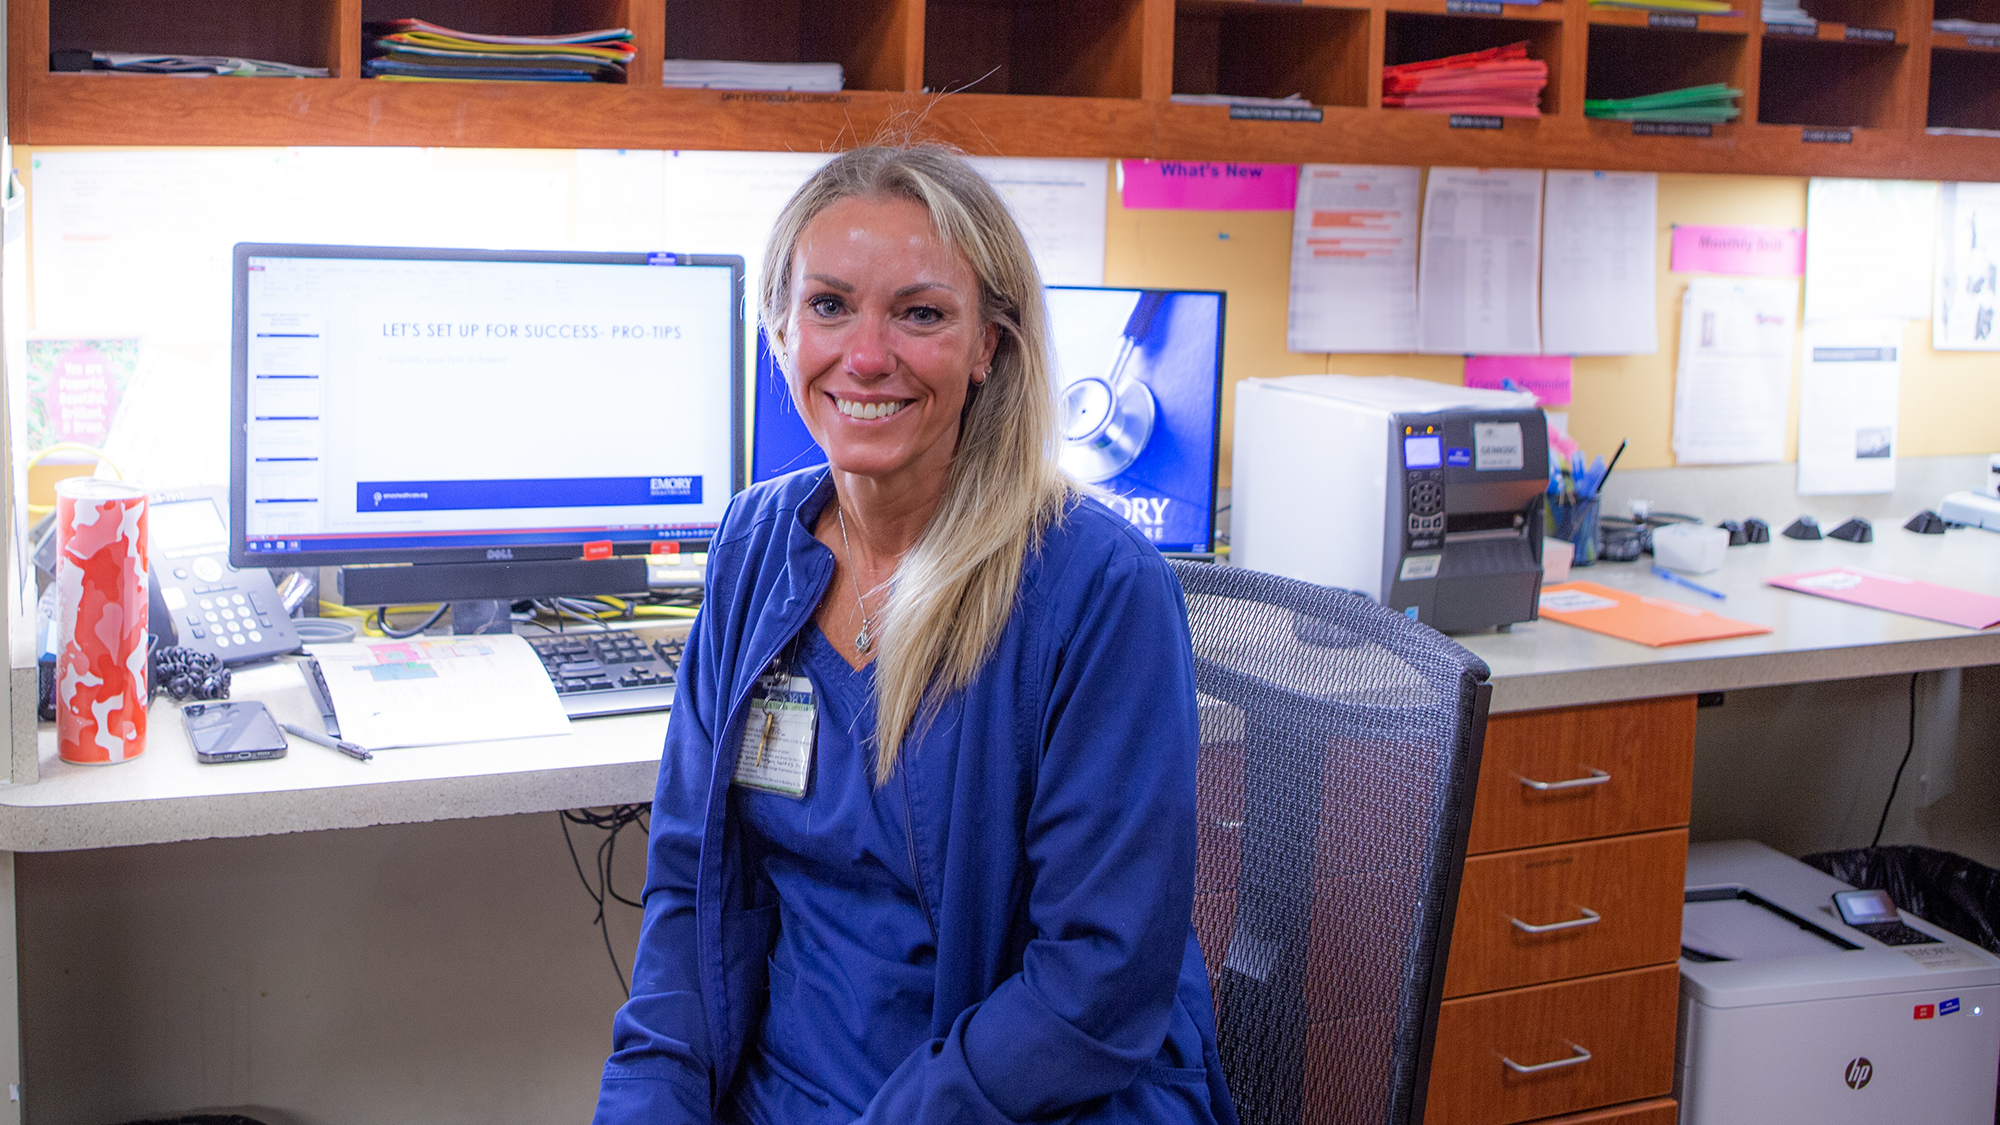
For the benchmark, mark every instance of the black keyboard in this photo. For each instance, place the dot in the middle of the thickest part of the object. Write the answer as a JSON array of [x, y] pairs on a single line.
[[609, 673], [1896, 933]]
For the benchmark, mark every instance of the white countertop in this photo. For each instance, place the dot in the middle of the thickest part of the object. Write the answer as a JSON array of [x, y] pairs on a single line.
[[166, 795], [1549, 664]]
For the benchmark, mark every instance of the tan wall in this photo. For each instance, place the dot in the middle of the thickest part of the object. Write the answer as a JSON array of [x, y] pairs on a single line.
[[1950, 400]]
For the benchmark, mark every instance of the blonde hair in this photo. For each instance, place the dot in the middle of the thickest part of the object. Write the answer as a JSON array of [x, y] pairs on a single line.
[[955, 589]]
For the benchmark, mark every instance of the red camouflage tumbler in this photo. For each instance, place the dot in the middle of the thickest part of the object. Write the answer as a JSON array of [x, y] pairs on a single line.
[[101, 578]]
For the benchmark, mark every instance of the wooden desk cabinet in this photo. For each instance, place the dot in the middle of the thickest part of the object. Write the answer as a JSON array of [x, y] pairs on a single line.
[[1562, 987]]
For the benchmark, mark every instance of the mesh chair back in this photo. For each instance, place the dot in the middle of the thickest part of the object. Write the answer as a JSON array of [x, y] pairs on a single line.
[[1340, 748]]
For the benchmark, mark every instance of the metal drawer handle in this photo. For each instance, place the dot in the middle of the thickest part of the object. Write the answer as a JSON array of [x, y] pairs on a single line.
[[1597, 777], [1581, 1056], [1590, 917]]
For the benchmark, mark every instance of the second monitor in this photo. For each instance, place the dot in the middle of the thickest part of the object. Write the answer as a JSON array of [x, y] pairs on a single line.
[[1139, 385]]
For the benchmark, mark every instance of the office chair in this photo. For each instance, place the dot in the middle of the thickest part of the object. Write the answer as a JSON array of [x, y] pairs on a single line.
[[1340, 749]]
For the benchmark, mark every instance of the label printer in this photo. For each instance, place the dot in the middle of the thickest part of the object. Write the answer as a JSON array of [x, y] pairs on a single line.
[[1424, 496]]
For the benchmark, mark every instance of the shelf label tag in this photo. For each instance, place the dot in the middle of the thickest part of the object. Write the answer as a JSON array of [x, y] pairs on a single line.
[[1679, 20], [1276, 113], [1827, 136], [1808, 30], [1474, 7], [1982, 40], [1477, 121], [1672, 129], [1872, 34]]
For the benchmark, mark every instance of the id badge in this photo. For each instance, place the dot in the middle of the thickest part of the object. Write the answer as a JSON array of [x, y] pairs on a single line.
[[776, 748]]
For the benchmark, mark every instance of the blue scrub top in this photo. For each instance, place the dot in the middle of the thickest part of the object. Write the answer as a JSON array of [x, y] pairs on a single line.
[[853, 974]]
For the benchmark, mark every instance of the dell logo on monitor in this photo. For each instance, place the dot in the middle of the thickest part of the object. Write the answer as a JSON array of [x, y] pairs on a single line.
[[499, 554], [1859, 1072]]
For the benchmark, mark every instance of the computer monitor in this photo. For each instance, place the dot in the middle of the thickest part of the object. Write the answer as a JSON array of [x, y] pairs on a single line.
[[1139, 399], [514, 423]]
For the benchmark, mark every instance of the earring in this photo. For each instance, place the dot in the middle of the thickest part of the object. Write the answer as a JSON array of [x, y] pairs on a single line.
[[979, 377]]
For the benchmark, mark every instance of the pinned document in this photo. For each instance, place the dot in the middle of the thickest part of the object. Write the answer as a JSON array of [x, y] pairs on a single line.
[[1598, 236], [1849, 375], [1480, 248], [1732, 385], [1868, 248], [1968, 268], [1354, 260]]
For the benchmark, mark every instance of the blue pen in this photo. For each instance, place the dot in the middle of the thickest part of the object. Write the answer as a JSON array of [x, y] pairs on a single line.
[[1662, 572]]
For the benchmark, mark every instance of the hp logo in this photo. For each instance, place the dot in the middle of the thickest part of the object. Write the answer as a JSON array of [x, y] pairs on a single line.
[[1859, 1072]]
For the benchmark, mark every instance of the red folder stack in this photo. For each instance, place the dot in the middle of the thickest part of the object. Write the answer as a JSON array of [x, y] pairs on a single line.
[[1499, 82]]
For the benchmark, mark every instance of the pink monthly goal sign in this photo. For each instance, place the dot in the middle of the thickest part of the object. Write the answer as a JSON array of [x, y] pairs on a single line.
[[1739, 251]]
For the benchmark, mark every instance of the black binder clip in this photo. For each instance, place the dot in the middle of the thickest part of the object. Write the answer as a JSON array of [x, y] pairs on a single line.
[[1855, 530], [1756, 531], [1736, 534], [1926, 522], [1805, 527]]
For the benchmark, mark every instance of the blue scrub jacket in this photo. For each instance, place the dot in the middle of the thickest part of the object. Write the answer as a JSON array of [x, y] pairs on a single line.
[[1051, 807]]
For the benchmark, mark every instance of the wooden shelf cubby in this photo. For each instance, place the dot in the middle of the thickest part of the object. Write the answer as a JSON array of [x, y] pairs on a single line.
[[1053, 78]]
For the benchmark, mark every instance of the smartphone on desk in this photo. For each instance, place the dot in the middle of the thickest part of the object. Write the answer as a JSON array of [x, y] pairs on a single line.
[[233, 730]]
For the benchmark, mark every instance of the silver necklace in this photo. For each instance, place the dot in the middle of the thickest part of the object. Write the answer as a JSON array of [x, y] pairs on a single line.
[[865, 639]]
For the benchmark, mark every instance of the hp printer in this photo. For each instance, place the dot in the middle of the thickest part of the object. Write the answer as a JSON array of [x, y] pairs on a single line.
[[1789, 1014]]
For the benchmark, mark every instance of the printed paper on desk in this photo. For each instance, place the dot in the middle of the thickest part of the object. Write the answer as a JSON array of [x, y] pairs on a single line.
[[1896, 594], [1354, 260], [431, 690], [1637, 617], [1480, 247]]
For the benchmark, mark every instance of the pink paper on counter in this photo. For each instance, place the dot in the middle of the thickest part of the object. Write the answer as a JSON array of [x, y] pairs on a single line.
[[1740, 251], [1546, 375], [1206, 185], [1897, 595]]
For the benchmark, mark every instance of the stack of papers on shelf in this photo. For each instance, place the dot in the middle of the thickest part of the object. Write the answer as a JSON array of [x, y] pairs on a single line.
[[1238, 99], [1965, 27], [1697, 104], [1787, 12], [725, 74], [1499, 81], [126, 62], [1696, 7], [415, 51]]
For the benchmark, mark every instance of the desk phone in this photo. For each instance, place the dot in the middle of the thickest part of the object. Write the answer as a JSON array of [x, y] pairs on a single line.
[[198, 600]]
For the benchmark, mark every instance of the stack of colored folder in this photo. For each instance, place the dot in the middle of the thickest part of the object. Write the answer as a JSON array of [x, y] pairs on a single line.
[[1499, 82], [1714, 103], [1692, 7], [415, 51]]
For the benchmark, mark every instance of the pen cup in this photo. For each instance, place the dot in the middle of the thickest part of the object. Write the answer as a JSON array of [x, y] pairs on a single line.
[[1574, 522]]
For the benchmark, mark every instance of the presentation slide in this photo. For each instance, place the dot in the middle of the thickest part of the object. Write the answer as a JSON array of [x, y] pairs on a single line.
[[415, 403]]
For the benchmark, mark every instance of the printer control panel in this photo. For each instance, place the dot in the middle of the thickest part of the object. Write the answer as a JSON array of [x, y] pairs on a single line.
[[1423, 481]]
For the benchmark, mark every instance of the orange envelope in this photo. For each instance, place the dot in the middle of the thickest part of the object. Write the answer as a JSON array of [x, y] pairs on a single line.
[[1638, 617]]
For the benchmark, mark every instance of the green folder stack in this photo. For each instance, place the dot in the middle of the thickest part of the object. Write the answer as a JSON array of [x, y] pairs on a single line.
[[1695, 104]]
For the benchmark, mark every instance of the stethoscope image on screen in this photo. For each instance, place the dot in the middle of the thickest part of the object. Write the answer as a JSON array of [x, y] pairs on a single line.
[[1107, 420]]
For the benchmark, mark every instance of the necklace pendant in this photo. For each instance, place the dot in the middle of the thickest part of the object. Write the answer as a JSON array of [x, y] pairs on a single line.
[[863, 641]]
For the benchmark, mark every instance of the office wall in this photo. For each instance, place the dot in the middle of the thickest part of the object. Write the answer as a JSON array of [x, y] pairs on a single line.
[[444, 973], [1950, 400]]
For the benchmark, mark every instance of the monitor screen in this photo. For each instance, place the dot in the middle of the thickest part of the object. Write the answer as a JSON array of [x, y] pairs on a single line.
[[398, 405], [1139, 395]]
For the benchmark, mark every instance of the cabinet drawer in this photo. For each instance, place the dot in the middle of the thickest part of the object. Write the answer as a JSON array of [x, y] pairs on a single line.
[[1652, 1111], [1545, 914], [1624, 1021], [1575, 773]]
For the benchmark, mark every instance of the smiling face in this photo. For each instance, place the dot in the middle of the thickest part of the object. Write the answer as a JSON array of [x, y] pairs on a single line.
[[885, 340]]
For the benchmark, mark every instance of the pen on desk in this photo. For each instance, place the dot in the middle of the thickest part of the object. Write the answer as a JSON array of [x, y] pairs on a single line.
[[340, 744], [1662, 572]]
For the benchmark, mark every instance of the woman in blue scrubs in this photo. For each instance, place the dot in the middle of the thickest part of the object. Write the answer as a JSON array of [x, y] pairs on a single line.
[[923, 843]]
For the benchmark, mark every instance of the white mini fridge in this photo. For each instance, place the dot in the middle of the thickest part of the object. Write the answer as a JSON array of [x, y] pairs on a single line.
[[1789, 1015]]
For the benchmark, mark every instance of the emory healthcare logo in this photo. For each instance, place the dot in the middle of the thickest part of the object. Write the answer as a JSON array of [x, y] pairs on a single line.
[[1859, 1071]]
